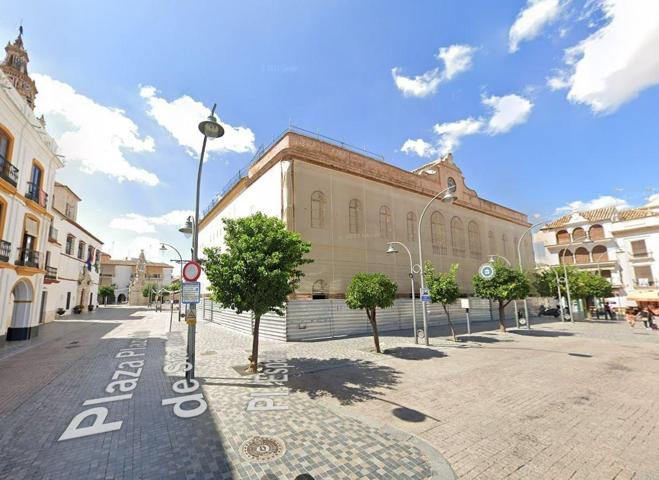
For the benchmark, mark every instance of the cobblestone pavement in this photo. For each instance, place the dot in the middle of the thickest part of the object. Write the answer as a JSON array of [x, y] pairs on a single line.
[[43, 385]]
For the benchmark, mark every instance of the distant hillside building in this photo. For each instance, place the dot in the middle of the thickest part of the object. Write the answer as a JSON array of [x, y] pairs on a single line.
[[620, 245], [128, 274]]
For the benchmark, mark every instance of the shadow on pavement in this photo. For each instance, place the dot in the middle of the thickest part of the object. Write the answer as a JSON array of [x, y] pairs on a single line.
[[413, 353], [479, 339], [541, 333], [408, 414], [357, 381]]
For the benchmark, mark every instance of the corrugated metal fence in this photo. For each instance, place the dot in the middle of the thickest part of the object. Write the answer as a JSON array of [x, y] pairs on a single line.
[[308, 320]]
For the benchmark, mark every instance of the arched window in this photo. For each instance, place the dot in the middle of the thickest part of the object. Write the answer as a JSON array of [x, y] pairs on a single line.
[[565, 257], [7, 170], [438, 234], [504, 244], [457, 237], [562, 237], [70, 240], [317, 209], [578, 234], [582, 255], [596, 232], [355, 216], [411, 226], [492, 243], [600, 254], [81, 249], [474, 235], [319, 290], [386, 227]]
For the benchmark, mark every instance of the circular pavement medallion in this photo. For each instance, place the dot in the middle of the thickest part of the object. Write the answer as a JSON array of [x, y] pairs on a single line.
[[263, 449]]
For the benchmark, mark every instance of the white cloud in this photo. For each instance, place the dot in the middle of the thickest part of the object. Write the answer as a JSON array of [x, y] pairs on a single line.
[[181, 117], [653, 200], [599, 202], [94, 135], [531, 20], [456, 58], [419, 147], [450, 134], [618, 61], [137, 223], [419, 86], [508, 111]]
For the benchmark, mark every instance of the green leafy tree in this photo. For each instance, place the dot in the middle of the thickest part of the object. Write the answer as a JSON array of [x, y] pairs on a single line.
[[149, 290], [175, 286], [443, 288], [506, 285], [369, 291], [106, 292], [259, 269]]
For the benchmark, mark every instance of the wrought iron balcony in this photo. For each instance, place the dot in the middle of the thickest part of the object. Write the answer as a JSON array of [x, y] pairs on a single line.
[[36, 194], [51, 273], [8, 172], [5, 251], [27, 258], [644, 282]]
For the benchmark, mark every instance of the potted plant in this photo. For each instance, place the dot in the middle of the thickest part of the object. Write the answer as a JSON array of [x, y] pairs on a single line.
[[77, 309], [60, 311]]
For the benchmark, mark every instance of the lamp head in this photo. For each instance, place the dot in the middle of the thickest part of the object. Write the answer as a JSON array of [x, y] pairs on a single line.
[[211, 128], [187, 228], [162, 247], [392, 249], [449, 197]]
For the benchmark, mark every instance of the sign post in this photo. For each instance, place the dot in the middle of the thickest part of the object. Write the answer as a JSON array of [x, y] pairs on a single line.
[[464, 303]]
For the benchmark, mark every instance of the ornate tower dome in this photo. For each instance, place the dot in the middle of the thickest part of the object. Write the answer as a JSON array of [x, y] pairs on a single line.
[[15, 67]]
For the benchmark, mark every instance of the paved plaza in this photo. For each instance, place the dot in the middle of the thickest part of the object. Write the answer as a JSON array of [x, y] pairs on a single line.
[[562, 401]]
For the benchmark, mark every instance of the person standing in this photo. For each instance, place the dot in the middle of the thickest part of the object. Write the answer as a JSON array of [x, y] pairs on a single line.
[[608, 315], [630, 316]]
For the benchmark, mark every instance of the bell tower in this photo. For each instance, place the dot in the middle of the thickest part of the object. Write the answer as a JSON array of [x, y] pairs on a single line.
[[15, 67]]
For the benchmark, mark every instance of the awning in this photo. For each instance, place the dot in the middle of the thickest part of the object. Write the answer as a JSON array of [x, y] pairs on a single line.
[[650, 295]]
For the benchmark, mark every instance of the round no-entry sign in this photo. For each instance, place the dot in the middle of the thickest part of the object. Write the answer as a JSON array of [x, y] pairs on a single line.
[[191, 271]]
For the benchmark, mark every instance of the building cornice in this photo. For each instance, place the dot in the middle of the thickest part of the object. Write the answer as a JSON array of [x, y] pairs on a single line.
[[76, 224]]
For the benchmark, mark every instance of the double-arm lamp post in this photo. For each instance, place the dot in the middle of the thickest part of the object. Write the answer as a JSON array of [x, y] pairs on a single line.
[[210, 128]]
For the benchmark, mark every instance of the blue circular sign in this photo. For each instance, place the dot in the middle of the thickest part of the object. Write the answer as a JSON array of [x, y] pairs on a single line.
[[486, 271]]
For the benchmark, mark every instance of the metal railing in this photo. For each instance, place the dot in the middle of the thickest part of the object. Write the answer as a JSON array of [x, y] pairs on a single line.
[[51, 273], [5, 251], [641, 254], [8, 171], [647, 282], [36, 194], [27, 258]]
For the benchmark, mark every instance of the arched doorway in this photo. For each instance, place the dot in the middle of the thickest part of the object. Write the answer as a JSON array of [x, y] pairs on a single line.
[[121, 298], [22, 298]]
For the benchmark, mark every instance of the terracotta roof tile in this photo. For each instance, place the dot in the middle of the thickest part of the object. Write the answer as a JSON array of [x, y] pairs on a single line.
[[600, 214]]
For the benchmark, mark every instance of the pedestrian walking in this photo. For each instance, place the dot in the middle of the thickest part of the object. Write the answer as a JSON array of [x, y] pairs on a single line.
[[630, 316], [608, 314], [644, 316]]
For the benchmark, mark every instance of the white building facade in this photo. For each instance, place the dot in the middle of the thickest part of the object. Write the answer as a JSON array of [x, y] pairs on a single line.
[[28, 162], [122, 274], [620, 245], [72, 259]]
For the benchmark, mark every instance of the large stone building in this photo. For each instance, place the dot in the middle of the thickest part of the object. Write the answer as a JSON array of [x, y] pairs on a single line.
[[131, 274], [28, 161], [72, 258], [620, 245], [349, 204]]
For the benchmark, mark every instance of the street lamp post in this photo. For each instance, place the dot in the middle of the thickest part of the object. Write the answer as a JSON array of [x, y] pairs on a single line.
[[164, 246], [448, 197], [561, 259], [209, 128], [413, 269], [558, 290]]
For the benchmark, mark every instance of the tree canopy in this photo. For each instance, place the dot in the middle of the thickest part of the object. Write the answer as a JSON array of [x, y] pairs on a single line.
[[258, 270], [443, 288], [368, 291]]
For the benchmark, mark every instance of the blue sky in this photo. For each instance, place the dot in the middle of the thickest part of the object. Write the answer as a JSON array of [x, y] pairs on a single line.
[[542, 102]]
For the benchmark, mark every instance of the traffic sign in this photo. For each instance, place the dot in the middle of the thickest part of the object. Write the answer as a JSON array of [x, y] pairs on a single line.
[[425, 295], [191, 271], [190, 292], [486, 271]]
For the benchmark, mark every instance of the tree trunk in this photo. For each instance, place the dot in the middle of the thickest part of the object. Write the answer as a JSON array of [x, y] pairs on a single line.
[[502, 317], [254, 358], [374, 326], [450, 323]]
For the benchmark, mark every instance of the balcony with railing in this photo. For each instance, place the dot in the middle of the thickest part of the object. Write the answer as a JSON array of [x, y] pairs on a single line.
[[8, 172], [51, 273], [644, 282], [36, 194], [5, 251], [27, 258]]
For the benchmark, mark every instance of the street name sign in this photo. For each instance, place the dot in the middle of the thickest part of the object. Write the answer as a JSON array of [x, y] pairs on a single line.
[[486, 271], [190, 292], [191, 271]]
